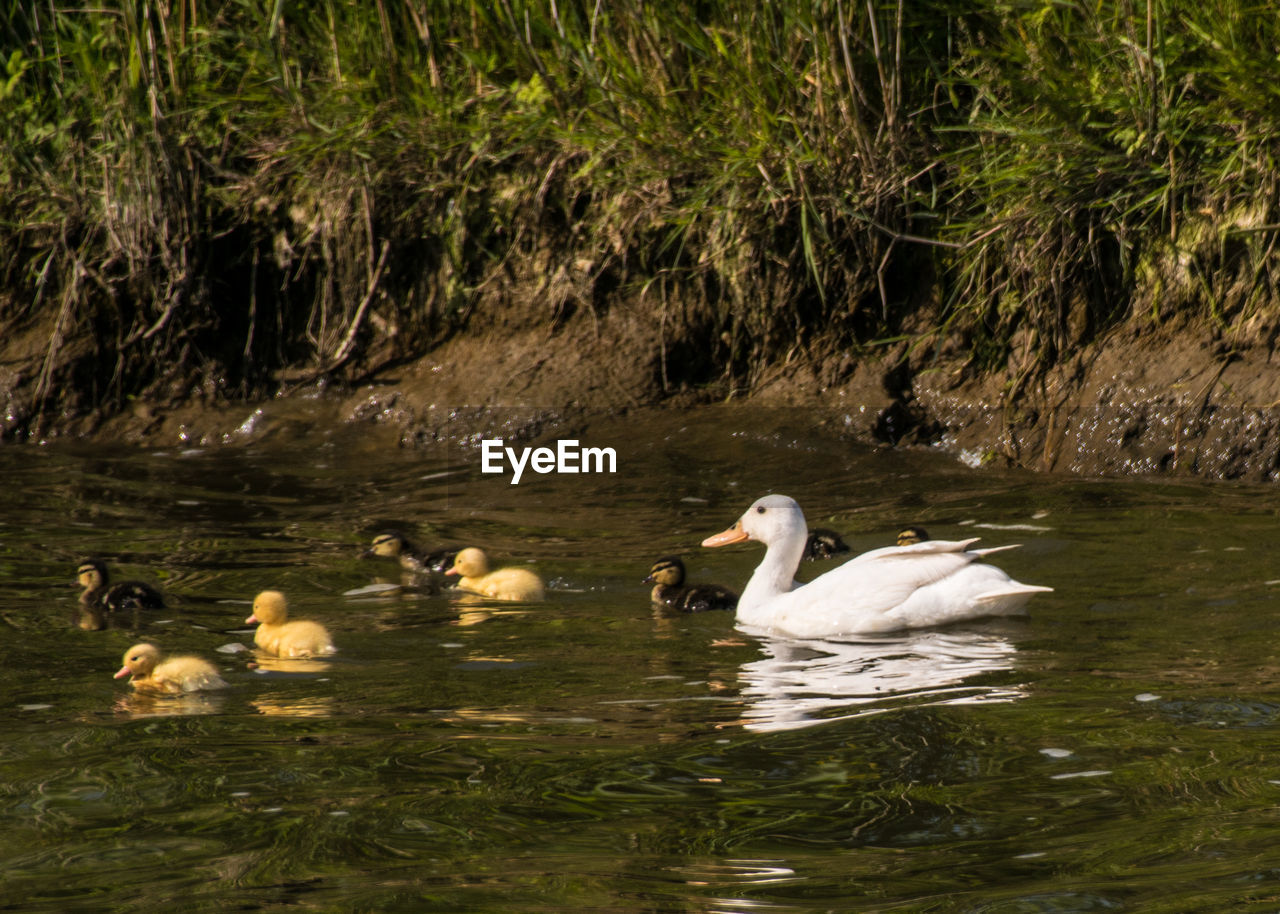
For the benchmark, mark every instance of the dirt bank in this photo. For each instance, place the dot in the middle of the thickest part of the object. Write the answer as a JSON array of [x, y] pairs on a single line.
[[1135, 402]]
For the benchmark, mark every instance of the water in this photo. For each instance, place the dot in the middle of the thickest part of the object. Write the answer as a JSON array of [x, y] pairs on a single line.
[[1114, 751]]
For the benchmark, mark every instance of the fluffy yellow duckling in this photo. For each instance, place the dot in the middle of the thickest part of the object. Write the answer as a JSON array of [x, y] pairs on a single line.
[[275, 635], [472, 567], [175, 675]]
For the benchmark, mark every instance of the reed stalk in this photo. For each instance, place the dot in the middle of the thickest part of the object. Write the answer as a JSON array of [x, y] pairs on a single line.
[[211, 196]]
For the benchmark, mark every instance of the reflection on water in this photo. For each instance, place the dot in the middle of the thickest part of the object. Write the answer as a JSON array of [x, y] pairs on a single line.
[[588, 754], [140, 704], [473, 609], [267, 664], [801, 683], [737, 875], [312, 706]]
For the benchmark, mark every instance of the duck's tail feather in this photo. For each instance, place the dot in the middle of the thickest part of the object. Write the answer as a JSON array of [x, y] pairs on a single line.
[[990, 549], [1014, 590]]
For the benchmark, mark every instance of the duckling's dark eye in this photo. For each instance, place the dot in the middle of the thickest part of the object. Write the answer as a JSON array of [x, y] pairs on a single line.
[[760, 510]]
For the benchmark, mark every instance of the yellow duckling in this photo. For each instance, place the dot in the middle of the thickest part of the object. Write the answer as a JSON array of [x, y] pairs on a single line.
[[275, 635], [472, 567], [909, 536], [175, 675]]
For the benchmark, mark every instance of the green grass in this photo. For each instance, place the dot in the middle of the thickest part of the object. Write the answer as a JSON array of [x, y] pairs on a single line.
[[195, 190]]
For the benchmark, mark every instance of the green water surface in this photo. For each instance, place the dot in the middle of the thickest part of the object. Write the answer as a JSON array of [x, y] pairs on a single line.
[[1116, 750]]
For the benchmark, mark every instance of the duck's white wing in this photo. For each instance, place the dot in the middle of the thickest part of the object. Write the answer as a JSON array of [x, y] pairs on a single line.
[[928, 547], [975, 590], [859, 595]]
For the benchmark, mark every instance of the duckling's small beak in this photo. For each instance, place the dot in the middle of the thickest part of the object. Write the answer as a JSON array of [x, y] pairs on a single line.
[[648, 580], [252, 620], [453, 570], [124, 671], [734, 534]]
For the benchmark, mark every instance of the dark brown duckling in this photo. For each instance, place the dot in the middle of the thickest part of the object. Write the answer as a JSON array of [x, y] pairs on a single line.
[[667, 576], [823, 544], [100, 598], [394, 544], [99, 591], [909, 536]]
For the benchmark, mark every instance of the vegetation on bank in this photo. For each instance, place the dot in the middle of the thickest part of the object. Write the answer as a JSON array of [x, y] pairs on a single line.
[[229, 193]]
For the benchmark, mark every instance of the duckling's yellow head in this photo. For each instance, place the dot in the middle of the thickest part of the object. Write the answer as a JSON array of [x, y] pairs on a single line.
[[667, 571], [91, 574], [470, 563], [909, 536], [269, 608], [389, 545], [139, 661]]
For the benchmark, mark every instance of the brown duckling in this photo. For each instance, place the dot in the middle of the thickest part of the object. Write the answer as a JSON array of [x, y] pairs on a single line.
[[99, 591], [471, 566], [394, 544], [669, 589], [823, 544], [909, 536], [175, 675], [300, 638]]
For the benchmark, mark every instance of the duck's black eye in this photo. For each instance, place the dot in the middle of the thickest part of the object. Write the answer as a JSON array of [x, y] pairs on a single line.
[[760, 510]]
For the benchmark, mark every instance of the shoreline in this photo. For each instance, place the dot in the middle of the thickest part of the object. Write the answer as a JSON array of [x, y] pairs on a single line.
[[1135, 404]]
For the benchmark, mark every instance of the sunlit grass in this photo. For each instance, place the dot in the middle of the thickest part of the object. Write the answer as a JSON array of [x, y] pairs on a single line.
[[192, 190]]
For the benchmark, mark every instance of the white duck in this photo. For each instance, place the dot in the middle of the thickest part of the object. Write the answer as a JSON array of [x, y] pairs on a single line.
[[930, 583]]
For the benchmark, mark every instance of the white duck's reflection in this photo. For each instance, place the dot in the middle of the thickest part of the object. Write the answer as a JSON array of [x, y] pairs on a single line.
[[802, 683]]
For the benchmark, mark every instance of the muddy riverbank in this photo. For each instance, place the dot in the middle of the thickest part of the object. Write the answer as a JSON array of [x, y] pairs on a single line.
[[1138, 401], [1004, 235]]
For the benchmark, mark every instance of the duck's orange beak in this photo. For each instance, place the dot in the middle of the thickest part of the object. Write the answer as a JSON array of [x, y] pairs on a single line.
[[252, 620], [734, 534], [453, 570], [124, 671]]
